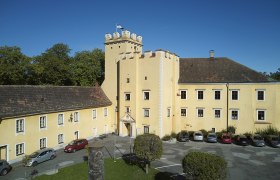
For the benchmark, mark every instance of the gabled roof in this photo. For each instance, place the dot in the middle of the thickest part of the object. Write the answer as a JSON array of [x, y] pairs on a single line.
[[16, 101], [217, 70]]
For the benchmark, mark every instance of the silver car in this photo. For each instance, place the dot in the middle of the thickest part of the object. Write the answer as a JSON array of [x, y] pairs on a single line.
[[197, 136], [40, 156], [212, 138]]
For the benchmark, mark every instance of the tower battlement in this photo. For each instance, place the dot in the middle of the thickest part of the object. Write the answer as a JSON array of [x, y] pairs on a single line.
[[124, 36], [149, 54]]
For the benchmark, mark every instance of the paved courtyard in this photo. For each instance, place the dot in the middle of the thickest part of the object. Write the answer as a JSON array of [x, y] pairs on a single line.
[[243, 162]]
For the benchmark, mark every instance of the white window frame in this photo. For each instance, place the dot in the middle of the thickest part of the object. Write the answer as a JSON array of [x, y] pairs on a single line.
[[60, 138], [185, 112], [58, 120], [76, 117], [258, 110], [105, 112], [146, 114], [257, 94], [43, 121], [198, 115], [237, 114], [46, 142], [197, 94], [127, 96], [21, 128], [238, 94], [22, 149], [94, 114], [186, 91], [215, 95], [216, 117], [145, 97]]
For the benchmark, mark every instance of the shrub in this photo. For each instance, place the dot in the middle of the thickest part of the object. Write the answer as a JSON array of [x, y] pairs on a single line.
[[248, 134], [219, 134], [191, 134], [231, 129], [204, 132], [200, 165], [148, 147], [269, 130], [166, 138], [173, 135]]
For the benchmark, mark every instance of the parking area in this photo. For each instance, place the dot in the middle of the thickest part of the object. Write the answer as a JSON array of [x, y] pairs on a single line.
[[244, 162]]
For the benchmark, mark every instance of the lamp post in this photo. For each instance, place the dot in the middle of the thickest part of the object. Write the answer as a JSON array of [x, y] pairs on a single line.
[[227, 84]]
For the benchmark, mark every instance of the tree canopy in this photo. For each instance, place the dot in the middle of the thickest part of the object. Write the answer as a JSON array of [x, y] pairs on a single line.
[[55, 66]]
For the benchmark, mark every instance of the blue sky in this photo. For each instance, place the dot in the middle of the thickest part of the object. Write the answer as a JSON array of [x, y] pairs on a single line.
[[247, 31]]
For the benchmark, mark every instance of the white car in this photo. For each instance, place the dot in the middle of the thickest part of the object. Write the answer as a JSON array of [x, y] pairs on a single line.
[[198, 136]]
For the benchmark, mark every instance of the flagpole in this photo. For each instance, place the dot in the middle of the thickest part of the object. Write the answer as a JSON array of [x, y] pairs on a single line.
[[116, 28]]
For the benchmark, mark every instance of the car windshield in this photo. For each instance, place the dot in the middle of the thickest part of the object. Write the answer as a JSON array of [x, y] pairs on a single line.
[[212, 135], [197, 134], [243, 139], [274, 139], [35, 154], [72, 143], [258, 138], [226, 137]]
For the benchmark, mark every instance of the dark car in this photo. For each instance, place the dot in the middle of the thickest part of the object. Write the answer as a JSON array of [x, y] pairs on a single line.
[[241, 140], [273, 141], [40, 156], [226, 138], [257, 140], [212, 138], [183, 136], [75, 145], [5, 167]]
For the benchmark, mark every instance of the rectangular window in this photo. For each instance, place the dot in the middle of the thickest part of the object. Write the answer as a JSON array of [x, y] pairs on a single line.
[[234, 95], [217, 95], [168, 112], [146, 129], [60, 138], [127, 109], [200, 112], [20, 149], [127, 80], [76, 116], [217, 113], [127, 96], [146, 95], [184, 112], [260, 95], [146, 112], [60, 119], [261, 115], [20, 125], [94, 114], [200, 95], [43, 143], [43, 122], [183, 94], [105, 112], [234, 115]]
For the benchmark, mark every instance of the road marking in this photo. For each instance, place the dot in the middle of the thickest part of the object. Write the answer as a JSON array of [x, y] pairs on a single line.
[[168, 166]]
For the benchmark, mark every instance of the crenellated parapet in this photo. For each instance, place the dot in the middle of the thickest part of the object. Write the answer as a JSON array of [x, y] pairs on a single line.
[[124, 36]]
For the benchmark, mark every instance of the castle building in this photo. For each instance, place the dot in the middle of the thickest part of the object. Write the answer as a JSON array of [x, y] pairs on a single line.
[[151, 92], [158, 92]]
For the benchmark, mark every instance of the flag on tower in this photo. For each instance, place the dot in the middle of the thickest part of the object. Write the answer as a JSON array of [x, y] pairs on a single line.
[[119, 27]]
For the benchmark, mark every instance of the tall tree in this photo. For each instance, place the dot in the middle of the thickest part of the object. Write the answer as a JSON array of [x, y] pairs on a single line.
[[275, 75], [14, 66], [53, 66], [87, 67]]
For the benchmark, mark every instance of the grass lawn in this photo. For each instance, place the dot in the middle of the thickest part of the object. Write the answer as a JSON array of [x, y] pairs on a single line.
[[113, 170]]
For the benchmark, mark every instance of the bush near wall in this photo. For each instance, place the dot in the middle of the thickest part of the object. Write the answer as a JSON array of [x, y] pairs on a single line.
[[200, 165], [270, 130]]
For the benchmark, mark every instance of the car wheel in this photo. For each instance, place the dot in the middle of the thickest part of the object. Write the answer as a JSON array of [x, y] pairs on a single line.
[[4, 172], [52, 157], [34, 163]]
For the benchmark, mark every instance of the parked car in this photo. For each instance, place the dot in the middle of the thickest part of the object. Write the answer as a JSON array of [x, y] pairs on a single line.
[[183, 136], [226, 138], [241, 140], [257, 140], [273, 141], [212, 138], [197, 136], [75, 145], [5, 167], [40, 156]]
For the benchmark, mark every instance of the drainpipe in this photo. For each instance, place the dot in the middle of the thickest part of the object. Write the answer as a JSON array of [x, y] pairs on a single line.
[[227, 84]]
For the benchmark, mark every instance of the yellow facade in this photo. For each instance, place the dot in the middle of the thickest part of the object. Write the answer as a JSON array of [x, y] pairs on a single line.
[[129, 71], [85, 126]]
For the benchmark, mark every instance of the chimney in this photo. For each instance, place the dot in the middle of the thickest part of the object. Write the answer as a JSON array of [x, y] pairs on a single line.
[[211, 54]]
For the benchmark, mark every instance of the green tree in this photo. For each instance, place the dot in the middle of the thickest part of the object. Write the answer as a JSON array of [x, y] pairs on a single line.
[[87, 67], [14, 66], [53, 66], [275, 75], [148, 147]]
